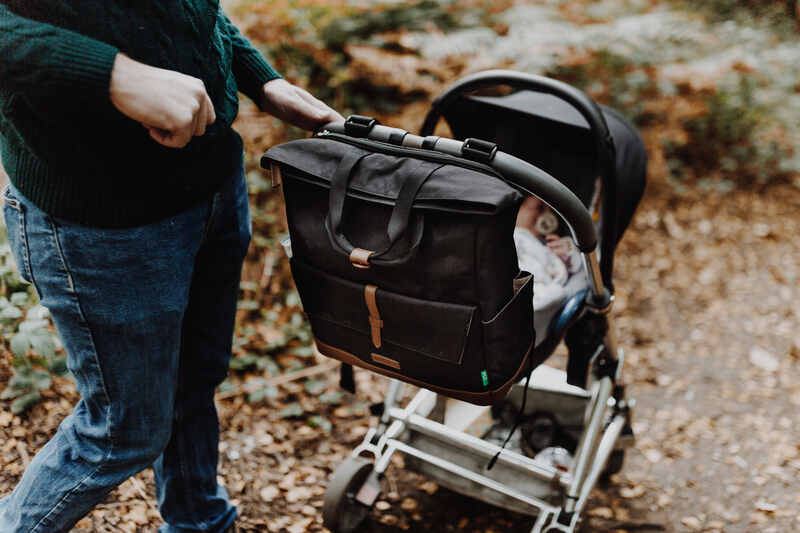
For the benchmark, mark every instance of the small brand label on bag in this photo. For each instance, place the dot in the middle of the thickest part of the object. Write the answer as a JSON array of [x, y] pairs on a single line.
[[485, 378]]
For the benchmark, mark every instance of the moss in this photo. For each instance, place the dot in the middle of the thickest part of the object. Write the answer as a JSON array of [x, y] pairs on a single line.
[[408, 16], [780, 15], [730, 140], [614, 80]]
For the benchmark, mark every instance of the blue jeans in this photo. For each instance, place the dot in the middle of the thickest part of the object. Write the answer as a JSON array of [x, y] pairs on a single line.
[[146, 315]]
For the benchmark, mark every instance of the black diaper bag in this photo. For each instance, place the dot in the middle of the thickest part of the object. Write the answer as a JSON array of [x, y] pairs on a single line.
[[405, 262]]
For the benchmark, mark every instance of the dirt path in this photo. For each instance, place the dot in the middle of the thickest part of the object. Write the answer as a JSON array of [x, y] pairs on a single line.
[[709, 311]]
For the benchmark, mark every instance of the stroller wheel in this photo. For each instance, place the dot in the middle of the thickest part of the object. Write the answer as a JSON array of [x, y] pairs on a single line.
[[341, 512]]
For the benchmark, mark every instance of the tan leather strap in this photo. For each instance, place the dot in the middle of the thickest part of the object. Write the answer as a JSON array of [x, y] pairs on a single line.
[[388, 361], [375, 322], [360, 257], [275, 170], [489, 397]]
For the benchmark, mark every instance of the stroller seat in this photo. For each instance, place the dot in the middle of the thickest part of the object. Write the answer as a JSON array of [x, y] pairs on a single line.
[[550, 133], [548, 310]]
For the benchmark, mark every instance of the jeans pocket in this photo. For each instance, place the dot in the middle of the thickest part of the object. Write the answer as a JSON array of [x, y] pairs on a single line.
[[14, 213]]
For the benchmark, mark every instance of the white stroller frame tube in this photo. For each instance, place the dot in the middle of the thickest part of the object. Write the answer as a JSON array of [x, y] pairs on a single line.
[[586, 446]]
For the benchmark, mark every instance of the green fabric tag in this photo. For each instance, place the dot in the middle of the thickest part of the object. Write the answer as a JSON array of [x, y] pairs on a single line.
[[485, 378]]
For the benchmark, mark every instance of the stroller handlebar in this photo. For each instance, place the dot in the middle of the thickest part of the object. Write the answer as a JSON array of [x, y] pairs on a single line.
[[522, 174]]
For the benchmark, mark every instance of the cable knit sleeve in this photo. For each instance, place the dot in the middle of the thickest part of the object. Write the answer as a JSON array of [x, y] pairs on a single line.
[[250, 68], [41, 56]]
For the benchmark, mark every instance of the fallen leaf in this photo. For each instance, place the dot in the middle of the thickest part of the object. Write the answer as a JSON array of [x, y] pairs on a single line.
[[653, 456], [601, 512], [137, 514], [301, 526], [632, 492], [389, 519], [766, 507], [763, 359], [692, 522], [429, 486], [269, 493], [408, 504], [299, 493]]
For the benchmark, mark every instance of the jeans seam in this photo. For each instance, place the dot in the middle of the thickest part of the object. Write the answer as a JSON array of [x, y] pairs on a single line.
[[85, 324], [65, 499], [185, 473], [211, 218], [26, 248]]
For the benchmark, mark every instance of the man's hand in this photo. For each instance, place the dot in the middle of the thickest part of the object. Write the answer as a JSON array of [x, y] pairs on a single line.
[[172, 106], [296, 106]]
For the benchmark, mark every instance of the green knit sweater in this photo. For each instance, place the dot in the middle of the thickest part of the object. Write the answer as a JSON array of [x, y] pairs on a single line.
[[68, 149]]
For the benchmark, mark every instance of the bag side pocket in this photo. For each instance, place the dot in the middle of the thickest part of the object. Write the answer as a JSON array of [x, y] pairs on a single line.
[[510, 334], [429, 343]]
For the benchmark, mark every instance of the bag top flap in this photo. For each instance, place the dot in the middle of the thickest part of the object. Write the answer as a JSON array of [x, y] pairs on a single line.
[[377, 178]]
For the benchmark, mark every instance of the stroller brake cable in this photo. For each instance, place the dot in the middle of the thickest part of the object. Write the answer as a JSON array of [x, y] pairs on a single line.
[[517, 419]]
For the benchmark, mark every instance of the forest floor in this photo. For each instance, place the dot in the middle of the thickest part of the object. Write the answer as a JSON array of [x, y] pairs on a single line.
[[708, 280]]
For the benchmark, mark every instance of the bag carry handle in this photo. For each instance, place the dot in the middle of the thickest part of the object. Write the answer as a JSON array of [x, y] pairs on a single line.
[[398, 222]]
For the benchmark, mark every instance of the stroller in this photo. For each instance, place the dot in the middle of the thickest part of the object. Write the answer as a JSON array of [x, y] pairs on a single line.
[[576, 422]]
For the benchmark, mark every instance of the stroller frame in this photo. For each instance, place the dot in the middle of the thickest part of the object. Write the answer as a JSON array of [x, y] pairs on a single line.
[[458, 460]]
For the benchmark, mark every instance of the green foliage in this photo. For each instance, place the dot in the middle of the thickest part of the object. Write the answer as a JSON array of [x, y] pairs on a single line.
[[733, 142], [315, 386], [290, 335], [729, 140], [407, 16], [251, 361], [9, 276], [26, 327], [261, 390], [292, 410], [778, 14], [312, 46], [333, 397], [617, 81]]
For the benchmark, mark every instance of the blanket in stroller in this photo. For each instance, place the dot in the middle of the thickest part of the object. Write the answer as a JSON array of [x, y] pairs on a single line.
[[551, 257]]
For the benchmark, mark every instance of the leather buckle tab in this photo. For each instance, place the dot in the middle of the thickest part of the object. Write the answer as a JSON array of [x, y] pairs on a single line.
[[359, 257], [375, 321]]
